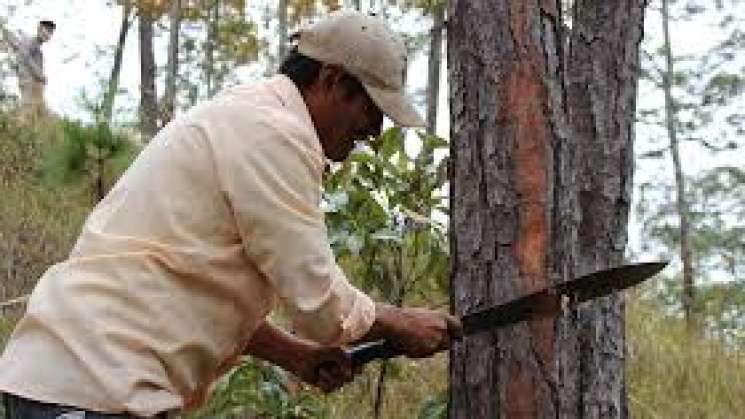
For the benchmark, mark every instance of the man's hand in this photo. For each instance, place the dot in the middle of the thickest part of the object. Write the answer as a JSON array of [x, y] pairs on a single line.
[[327, 368], [417, 332]]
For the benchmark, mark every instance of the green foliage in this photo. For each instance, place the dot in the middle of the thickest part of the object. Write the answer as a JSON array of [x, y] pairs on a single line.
[[88, 152], [381, 205], [258, 390], [239, 40], [236, 42], [435, 407], [420, 388], [6, 327]]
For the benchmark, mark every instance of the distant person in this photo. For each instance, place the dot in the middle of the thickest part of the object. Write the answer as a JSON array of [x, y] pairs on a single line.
[[30, 67]]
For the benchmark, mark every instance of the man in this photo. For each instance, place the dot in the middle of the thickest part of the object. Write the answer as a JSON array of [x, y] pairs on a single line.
[[30, 67], [177, 268]]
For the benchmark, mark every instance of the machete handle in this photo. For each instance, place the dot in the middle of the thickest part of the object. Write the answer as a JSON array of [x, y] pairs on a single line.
[[362, 354], [367, 352]]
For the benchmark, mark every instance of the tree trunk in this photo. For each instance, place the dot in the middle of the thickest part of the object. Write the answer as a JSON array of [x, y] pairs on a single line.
[[169, 95], [682, 202], [282, 30], [113, 87], [522, 122], [148, 99], [435, 53], [602, 75], [210, 78], [100, 165]]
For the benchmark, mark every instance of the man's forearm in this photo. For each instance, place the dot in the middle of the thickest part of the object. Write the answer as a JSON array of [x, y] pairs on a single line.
[[273, 344], [325, 367], [385, 320]]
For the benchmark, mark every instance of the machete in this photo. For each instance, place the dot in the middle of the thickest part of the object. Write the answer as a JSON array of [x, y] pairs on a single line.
[[547, 302]]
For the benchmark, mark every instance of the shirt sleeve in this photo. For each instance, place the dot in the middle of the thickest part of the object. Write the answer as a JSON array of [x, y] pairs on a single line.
[[274, 191]]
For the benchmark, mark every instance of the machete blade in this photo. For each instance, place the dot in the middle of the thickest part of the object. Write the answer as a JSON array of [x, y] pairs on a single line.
[[552, 300]]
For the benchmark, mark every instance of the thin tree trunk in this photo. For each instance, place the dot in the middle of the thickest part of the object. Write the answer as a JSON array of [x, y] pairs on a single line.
[[435, 62], [282, 30], [682, 202], [520, 219], [380, 389], [210, 47], [402, 286], [100, 164], [148, 99], [113, 87], [169, 95], [602, 75]]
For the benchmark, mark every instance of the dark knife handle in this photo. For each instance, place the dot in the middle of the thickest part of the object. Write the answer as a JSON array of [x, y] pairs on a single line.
[[381, 349]]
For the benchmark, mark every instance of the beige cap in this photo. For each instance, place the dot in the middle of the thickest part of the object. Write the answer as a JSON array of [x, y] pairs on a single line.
[[369, 50]]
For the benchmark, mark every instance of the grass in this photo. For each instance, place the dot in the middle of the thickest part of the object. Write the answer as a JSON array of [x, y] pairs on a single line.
[[675, 375], [409, 386]]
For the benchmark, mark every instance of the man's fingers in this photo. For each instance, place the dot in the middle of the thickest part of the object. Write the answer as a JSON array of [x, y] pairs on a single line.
[[335, 369], [455, 327], [454, 332], [326, 381]]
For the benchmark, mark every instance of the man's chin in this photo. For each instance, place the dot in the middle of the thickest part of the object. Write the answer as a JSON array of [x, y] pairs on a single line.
[[339, 158], [340, 155]]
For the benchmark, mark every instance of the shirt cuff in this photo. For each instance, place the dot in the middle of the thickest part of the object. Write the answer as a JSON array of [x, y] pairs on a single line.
[[339, 315], [360, 319]]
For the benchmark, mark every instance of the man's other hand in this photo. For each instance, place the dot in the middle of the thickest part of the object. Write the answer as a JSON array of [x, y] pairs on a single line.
[[417, 332], [327, 368]]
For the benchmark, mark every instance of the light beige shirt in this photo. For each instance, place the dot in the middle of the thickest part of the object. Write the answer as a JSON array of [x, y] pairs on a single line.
[[174, 270]]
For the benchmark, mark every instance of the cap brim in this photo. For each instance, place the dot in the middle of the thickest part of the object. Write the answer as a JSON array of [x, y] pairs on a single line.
[[396, 106]]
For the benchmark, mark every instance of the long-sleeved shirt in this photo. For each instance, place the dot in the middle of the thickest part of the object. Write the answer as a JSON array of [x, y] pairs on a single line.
[[29, 57], [177, 266]]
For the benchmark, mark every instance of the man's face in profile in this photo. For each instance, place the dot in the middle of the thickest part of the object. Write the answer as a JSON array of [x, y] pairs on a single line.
[[45, 32]]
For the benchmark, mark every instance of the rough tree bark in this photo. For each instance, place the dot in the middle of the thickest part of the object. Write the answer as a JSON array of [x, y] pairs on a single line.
[[602, 75], [169, 94], [686, 254], [148, 98], [541, 148], [108, 101]]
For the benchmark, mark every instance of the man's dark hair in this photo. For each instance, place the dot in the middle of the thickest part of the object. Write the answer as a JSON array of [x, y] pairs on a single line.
[[48, 24], [303, 71]]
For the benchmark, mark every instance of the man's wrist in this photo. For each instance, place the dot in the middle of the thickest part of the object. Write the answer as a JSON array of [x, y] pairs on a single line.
[[383, 327], [279, 347]]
